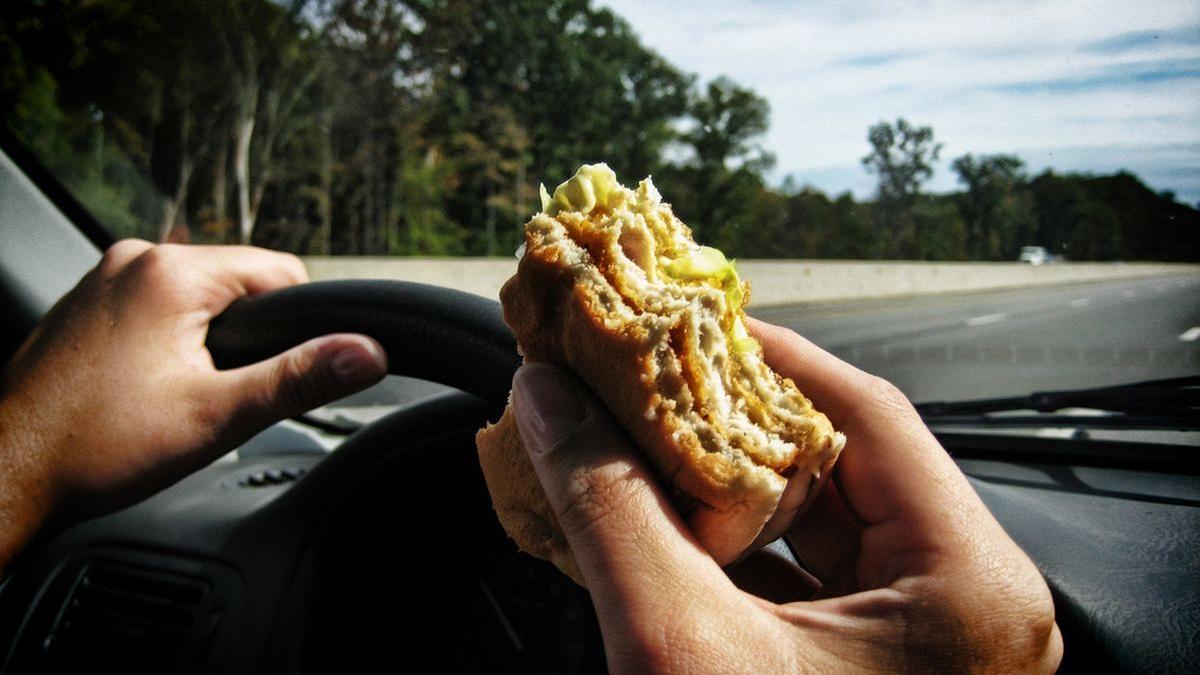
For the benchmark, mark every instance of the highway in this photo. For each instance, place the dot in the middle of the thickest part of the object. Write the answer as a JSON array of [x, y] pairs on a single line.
[[976, 345], [966, 346]]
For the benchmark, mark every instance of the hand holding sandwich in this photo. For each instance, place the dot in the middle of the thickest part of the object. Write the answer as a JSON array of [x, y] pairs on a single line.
[[917, 573]]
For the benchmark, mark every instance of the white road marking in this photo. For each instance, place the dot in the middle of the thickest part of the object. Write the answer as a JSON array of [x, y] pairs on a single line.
[[1130, 294], [985, 319], [1056, 432], [1190, 335], [1081, 302]]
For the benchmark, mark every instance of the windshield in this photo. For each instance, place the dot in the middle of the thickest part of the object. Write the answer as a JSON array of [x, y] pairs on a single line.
[[969, 199]]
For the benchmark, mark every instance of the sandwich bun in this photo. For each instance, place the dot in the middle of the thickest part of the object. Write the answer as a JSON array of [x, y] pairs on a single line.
[[612, 287]]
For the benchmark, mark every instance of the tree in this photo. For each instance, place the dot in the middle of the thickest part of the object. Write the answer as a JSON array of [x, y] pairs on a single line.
[[371, 143], [902, 156], [191, 99], [723, 178], [819, 227], [995, 206], [728, 120], [423, 127], [1111, 218], [272, 72], [574, 79], [939, 230]]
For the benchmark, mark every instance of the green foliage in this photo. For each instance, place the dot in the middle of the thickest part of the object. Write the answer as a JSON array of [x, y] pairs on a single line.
[[425, 228], [75, 148], [808, 224], [728, 119], [423, 127], [902, 156], [721, 181], [939, 231], [529, 90], [1111, 218], [995, 206]]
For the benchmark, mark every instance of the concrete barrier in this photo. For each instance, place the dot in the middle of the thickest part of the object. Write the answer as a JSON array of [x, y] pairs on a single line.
[[775, 282]]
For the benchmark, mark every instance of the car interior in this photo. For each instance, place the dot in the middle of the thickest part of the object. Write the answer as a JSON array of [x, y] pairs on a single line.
[[384, 552]]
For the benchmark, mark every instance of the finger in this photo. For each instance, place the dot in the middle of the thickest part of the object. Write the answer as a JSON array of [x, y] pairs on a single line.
[[632, 548], [256, 270], [214, 275], [893, 471], [826, 542], [304, 377], [883, 443]]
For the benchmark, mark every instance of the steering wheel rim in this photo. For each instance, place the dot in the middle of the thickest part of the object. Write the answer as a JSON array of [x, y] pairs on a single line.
[[429, 332], [439, 335]]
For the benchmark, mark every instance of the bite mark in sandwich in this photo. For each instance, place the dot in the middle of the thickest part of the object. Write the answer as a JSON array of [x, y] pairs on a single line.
[[612, 286]]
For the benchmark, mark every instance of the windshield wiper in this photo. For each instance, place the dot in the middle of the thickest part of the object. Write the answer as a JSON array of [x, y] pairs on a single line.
[[1155, 404]]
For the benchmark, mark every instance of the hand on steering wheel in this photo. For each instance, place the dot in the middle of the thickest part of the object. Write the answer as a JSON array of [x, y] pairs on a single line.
[[123, 357]]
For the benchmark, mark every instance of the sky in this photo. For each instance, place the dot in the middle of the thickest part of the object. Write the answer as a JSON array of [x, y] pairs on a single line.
[[1075, 86]]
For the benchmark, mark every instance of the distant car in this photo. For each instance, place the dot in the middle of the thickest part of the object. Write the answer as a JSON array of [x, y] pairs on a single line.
[[1035, 255]]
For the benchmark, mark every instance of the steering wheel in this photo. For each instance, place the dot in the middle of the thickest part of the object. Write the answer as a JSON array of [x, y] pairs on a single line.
[[399, 557], [428, 332]]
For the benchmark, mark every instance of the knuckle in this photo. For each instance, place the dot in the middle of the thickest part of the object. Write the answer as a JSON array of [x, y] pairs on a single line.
[[161, 261], [124, 248], [681, 638], [296, 266], [280, 264], [877, 401], [594, 496], [883, 399], [654, 651], [1008, 628], [120, 254], [1033, 618], [887, 396], [661, 642]]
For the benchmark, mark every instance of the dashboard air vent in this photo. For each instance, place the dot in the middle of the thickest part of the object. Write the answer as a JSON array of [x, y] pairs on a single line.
[[127, 619]]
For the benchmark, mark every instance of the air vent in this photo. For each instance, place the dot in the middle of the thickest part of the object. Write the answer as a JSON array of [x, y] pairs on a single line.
[[126, 619]]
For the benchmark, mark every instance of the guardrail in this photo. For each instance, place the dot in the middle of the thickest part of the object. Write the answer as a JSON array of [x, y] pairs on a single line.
[[776, 282]]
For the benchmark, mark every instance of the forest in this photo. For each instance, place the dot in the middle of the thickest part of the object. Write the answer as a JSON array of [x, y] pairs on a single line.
[[390, 127]]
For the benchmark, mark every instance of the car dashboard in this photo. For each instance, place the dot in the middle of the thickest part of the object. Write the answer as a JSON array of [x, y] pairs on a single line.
[[385, 553], [379, 554]]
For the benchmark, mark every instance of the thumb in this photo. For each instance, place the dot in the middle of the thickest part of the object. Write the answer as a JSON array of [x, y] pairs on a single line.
[[633, 549], [304, 377]]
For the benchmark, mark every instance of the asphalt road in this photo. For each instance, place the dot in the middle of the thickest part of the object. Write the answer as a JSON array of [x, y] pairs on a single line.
[[977, 345]]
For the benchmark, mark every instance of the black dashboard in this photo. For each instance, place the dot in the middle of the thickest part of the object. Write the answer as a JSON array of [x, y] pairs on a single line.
[[1120, 549], [382, 553], [385, 553]]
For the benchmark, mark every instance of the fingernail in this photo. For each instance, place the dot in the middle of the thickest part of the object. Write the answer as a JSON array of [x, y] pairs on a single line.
[[547, 404], [357, 362]]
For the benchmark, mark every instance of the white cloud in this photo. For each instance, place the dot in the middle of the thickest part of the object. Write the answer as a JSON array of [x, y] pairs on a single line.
[[1098, 80]]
